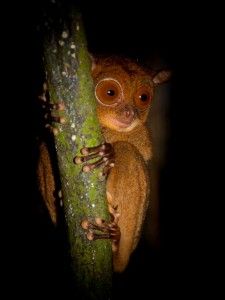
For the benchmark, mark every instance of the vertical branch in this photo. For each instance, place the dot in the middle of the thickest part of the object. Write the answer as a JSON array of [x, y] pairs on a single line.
[[67, 65]]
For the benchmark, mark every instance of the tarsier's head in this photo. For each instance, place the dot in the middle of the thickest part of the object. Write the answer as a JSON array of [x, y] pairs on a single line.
[[124, 92]]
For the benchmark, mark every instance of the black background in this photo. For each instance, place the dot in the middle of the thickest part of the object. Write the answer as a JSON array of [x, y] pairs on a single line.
[[182, 36]]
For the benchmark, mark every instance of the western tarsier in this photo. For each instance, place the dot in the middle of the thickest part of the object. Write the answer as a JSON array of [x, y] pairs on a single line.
[[124, 93]]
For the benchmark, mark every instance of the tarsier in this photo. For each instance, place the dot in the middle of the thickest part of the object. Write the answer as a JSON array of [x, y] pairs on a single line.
[[124, 92]]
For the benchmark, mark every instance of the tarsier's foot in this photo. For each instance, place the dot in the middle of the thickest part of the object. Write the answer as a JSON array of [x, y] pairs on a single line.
[[104, 151], [100, 229], [52, 113]]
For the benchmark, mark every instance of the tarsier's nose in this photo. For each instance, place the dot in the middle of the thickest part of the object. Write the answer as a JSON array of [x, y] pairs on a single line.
[[127, 114]]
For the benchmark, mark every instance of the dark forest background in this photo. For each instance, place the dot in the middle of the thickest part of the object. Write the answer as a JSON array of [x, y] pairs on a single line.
[[176, 36]]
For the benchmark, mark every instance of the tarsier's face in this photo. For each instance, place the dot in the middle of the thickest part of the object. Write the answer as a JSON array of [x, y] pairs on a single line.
[[123, 97]]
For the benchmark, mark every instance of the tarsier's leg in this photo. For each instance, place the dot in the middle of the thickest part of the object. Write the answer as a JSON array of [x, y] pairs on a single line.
[[128, 188]]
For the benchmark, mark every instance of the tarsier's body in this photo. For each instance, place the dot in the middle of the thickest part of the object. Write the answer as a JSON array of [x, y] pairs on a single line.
[[124, 92]]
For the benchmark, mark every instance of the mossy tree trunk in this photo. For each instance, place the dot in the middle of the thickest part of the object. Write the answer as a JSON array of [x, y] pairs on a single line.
[[67, 65]]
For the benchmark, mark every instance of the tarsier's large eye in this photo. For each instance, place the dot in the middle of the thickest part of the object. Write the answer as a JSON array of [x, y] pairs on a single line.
[[143, 97], [108, 91]]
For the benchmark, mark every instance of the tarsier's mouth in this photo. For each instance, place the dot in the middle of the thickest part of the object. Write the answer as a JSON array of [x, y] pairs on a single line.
[[124, 126]]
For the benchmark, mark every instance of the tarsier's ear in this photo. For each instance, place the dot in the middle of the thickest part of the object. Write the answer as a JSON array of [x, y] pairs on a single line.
[[161, 76], [93, 61]]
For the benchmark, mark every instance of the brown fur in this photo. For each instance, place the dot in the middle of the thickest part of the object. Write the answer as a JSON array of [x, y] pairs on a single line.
[[47, 181], [128, 186]]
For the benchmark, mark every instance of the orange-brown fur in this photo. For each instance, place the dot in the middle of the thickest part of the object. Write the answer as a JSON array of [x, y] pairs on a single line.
[[46, 178], [128, 186], [128, 180]]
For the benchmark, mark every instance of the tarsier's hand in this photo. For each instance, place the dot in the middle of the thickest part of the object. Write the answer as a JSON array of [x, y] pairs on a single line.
[[104, 151], [51, 113]]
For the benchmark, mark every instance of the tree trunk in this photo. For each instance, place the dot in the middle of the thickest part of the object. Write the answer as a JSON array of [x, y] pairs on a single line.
[[67, 65]]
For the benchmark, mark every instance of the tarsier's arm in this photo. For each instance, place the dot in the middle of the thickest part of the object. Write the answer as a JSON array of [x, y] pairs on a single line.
[[124, 93]]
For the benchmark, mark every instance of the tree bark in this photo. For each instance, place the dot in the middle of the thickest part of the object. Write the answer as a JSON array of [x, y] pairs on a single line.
[[67, 65]]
